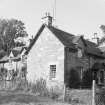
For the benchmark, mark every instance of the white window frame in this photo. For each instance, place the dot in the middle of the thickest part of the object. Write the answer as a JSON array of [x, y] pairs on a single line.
[[52, 74]]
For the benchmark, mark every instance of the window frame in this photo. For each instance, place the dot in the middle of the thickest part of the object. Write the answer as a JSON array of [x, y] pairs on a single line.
[[100, 82], [52, 74]]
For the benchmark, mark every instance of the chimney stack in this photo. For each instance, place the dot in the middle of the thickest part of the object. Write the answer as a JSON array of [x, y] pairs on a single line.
[[48, 19], [96, 38]]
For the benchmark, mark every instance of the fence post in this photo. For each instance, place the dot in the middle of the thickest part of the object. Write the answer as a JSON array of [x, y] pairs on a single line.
[[64, 93], [93, 92]]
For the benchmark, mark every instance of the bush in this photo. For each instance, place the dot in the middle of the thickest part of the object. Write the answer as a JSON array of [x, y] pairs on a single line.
[[74, 79], [87, 79]]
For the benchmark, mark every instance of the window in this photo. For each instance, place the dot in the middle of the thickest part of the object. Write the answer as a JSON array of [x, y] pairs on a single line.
[[79, 53], [101, 77], [80, 70], [52, 71]]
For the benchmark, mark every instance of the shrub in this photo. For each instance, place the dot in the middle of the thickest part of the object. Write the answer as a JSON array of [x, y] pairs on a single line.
[[74, 78], [87, 79]]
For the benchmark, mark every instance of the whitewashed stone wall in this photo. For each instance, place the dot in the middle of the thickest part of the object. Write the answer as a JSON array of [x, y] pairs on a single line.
[[47, 50]]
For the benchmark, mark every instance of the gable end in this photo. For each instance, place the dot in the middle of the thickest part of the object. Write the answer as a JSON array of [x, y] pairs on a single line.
[[35, 39]]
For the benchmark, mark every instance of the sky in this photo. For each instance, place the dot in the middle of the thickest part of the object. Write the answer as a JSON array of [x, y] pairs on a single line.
[[79, 17]]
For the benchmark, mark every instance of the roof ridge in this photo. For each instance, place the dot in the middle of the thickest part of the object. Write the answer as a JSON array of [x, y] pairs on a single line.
[[60, 30]]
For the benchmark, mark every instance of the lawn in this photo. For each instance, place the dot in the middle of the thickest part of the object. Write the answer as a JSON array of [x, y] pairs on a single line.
[[20, 98]]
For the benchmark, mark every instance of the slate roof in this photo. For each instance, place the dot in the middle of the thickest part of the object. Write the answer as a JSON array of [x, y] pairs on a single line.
[[90, 44], [98, 66], [4, 59], [64, 37], [68, 40], [92, 48], [17, 51], [76, 39]]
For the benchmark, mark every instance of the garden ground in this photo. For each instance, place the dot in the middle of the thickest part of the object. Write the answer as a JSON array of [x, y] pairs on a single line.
[[22, 98]]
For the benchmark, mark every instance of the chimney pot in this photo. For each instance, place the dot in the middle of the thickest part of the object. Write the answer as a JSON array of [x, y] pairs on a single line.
[[48, 19]]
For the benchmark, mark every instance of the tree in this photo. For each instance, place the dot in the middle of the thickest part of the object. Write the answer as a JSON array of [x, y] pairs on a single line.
[[102, 27], [10, 30], [87, 79], [74, 78]]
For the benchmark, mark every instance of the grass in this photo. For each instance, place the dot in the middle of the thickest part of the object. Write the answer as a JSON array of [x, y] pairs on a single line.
[[38, 93], [27, 93], [18, 98], [7, 97]]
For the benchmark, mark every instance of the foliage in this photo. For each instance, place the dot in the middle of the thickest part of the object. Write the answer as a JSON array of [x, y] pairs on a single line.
[[74, 78], [102, 27], [2, 53], [38, 87], [3, 73], [10, 30], [87, 79], [75, 81]]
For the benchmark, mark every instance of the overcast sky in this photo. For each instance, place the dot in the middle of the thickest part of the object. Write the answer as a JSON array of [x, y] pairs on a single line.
[[73, 16]]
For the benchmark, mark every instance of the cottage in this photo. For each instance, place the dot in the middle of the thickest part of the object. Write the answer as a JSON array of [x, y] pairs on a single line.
[[61, 58], [13, 63]]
